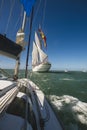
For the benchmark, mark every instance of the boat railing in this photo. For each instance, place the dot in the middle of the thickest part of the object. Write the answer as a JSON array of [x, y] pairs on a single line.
[[3, 71]]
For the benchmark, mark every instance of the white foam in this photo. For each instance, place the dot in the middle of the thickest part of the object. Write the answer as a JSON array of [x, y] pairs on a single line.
[[72, 105], [66, 79]]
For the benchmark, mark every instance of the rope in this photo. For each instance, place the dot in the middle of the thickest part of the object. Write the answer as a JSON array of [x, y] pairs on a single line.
[[37, 12], [19, 19], [1, 6], [43, 16], [5, 72], [10, 16], [26, 108]]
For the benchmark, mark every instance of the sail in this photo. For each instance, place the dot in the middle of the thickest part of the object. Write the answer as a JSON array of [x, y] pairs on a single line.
[[28, 4], [37, 41], [35, 59], [42, 55]]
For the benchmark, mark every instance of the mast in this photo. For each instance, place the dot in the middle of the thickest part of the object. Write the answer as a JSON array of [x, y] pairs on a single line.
[[27, 58], [28, 5], [19, 40], [24, 21]]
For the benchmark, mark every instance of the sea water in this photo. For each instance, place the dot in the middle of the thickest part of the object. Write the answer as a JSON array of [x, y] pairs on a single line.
[[67, 93]]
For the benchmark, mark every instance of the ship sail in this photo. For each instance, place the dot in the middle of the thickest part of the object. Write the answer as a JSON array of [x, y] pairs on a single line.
[[39, 57], [42, 55], [35, 59], [37, 41]]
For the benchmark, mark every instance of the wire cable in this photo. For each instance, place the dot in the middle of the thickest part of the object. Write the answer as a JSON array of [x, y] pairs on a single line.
[[36, 14], [13, 2], [1, 6], [43, 16]]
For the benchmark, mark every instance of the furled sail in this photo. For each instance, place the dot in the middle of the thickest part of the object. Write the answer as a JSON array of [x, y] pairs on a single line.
[[20, 38], [35, 57]]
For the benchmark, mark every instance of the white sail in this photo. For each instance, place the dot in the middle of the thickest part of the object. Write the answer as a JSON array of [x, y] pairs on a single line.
[[39, 58], [34, 55], [42, 55], [37, 41]]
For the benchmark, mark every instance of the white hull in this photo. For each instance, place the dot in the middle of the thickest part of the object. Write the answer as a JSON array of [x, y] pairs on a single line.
[[43, 67]]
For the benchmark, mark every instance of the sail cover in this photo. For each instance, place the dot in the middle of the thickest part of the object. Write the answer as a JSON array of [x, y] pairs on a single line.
[[28, 4]]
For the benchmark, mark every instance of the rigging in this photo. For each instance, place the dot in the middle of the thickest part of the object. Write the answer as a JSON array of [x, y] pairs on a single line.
[[43, 16], [1, 6], [13, 2], [19, 18]]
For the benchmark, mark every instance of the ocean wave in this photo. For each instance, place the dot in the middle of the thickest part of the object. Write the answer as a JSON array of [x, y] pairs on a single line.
[[45, 80], [66, 79], [72, 105], [72, 79]]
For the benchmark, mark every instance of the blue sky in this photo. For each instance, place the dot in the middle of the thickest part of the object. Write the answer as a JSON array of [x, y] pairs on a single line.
[[65, 25]]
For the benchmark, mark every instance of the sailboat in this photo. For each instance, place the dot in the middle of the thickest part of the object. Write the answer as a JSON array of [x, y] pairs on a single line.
[[23, 105], [39, 57]]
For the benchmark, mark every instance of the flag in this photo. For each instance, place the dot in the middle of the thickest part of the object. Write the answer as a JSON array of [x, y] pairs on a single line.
[[28, 4], [43, 37]]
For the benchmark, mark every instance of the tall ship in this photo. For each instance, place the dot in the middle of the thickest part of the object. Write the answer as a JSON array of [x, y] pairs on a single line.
[[39, 57]]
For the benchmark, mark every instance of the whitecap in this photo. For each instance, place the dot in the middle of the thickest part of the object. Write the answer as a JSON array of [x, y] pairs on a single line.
[[77, 108], [45, 80], [66, 79]]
